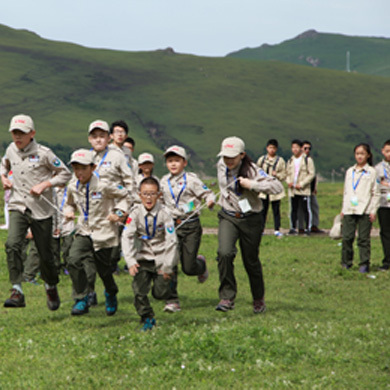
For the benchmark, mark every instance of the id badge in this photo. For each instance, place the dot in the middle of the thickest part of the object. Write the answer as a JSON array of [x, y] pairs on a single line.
[[244, 205], [388, 197], [188, 207], [354, 201]]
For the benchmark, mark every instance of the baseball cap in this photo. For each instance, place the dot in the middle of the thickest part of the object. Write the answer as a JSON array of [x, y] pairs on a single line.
[[99, 124], [145, 157], [82, 156], [232, 147], [175, 149], [21, 122]]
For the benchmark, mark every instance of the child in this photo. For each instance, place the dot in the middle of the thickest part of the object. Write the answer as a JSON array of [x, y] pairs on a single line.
[[182, 194], [360, 203], [273, 165], [33, 166], [130, 144], [97, 231], [300, 173], [240, 219], [118, 134], [151, 224], [145, 167], [383, 175]]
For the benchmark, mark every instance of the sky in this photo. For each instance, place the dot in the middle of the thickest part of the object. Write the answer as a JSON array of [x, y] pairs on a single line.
[[201, 27]]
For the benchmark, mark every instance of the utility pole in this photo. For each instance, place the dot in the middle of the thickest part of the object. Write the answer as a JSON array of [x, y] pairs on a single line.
[[348, 69]]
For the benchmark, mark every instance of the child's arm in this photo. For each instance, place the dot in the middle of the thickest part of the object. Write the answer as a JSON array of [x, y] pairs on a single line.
[[170, 251], [5, 168], [280, 172], [122, 204], [375, 198], [128, 249], [201, 191], [126, 174], [345, 195], [267, 185], [70, 206]]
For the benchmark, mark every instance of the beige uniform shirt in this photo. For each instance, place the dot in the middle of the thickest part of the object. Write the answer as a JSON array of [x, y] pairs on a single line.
[[364, 199], [231, 195], [128, 156], [185, 194], [306, 175], [94, 205], [65, 226], [158, 244], [268, 165], [383, 174], [30, 166]]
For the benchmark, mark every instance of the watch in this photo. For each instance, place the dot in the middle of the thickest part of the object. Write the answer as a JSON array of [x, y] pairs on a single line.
[[119, 213]]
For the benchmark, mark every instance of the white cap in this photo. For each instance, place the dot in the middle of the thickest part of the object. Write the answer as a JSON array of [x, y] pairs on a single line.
[[21, 122], [232, 147], [82, 156], [175, 149], [144, 158], [99, 124]]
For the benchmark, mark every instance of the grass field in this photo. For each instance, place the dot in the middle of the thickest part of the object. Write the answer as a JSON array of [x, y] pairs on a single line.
[[325, 328]]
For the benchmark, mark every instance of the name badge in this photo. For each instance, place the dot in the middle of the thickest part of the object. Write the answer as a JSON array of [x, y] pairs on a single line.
[[96, 195], [33, 158], [244, 205], [388, 197], [106, 164], [354, 201]]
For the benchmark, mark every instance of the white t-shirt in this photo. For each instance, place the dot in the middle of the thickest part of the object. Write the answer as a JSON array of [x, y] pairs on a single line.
[[297, 165]]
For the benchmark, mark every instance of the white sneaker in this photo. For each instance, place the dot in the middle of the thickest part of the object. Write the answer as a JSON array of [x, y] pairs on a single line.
[[172, 307], [278, 233]]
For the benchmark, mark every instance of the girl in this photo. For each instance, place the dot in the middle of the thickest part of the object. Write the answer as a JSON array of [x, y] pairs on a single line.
[[240, 219], [145, 167], [360, 203]]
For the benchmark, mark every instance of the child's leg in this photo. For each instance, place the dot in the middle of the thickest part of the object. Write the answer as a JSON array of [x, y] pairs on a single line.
[[56, 247], [265, 209], [90, 271], [304, 207], [348, 231], [141, 287], [315, 211], [161, 287], [294, 205], [65, 248], [104, 269], [364, 239], [31, 265], [276, 213], [384, 223]]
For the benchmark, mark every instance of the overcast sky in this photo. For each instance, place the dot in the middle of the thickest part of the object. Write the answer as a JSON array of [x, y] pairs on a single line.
[[202, 27]]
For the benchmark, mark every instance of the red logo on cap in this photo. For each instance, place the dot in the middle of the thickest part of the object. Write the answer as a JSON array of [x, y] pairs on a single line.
[[20, 121], [80, 155], [229, 146], [175, 149], [98, 124]]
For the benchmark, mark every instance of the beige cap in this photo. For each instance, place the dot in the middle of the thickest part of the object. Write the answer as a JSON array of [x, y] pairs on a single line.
[[99, 124], [232, 147], [144, 158], [22, 122], [82, 156], [175, 149]]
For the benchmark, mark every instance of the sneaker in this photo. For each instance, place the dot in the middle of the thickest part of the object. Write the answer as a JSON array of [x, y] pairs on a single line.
[[278, 233], [259, 306], [301, 231], [384, 268], [225, 305], [53, 299], [363, 269], [172, 307], [306, 232], [149, 323], [111, 303], [15, 300], [202, 278], [346, 266], [80, 307], [292, 232], [32, 281], [92, 299]]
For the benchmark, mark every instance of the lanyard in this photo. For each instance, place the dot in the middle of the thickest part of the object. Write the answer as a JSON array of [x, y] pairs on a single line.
[[181, 191], [102, 160], [148, 236], [384, 171], [86, 210], [64, 198], [354, 185], [235, 182]]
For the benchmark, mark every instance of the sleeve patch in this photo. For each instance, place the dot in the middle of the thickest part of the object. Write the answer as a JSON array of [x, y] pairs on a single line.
[[56, 162], [170, 228]]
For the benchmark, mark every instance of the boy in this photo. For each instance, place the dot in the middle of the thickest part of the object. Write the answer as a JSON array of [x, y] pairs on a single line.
[[33, 167], [130, 144], [97, 231], [182, 194], [151, 224], [383, 175], [273, 165], [300, 173]]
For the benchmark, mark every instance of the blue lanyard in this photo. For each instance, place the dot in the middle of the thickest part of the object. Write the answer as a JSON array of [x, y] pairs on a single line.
[[235, 182], [148, 236], [354, 185], [64, 198], [181, 191], [86, 210], [384, 171], [102, 160]]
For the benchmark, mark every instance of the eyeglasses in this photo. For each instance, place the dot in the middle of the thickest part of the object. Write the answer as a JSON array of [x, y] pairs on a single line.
[[149, 194], [307, 148]]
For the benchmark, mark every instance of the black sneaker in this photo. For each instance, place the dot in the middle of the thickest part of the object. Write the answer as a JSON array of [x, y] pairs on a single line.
[[292, 232], [15, 300], [92, 299], [384, 268], [53, 299]]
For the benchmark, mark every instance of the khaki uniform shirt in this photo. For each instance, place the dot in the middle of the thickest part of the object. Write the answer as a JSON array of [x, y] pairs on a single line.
[[187, 194], [159, 245], [30, 166], [65, 226], [306, 175], [103, 198], [364, 199], [268, 165], [231, 195], [383, 174]]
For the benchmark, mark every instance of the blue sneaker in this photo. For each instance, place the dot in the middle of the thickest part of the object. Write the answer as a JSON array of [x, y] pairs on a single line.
[[148, 324], [364, 269], [111, 303], [80, 307]]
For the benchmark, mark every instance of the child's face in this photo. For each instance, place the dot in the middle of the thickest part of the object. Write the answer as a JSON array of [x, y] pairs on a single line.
[[306, 149], [296, 150], [146, 168], [175, 164], [271, 150], [386, 152], [361, 155], [233, 162], [98, 139], [83, 172], [130, 146], [118, 135], [22, 139], [149, 195]]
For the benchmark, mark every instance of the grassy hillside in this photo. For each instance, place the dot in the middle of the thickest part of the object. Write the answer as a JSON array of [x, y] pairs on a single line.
[[194, 101], [367, 55]]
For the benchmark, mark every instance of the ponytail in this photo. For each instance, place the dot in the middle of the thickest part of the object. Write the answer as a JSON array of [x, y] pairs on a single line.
[[246, 168]]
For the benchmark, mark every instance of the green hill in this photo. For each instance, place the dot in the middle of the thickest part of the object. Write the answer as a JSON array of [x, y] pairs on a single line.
[[367, 55], [194, 101]]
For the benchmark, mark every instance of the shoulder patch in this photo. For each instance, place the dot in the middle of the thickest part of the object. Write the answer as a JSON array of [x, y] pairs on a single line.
[[120, 187], [56, 162], [170, 228]]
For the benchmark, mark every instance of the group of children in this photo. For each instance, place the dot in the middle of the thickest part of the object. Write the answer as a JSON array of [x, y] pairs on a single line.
[[123, 208]]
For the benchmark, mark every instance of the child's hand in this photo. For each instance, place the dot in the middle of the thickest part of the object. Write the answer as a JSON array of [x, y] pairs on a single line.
[[113, 218], [70, 216], [133, 270], [342, 215], [245, 183], [166, 276], [290, 185], [372, 218], [298, 187], [384, 182], [273, 173], [29, 235], [7, 183], [210, 204], [39, 188]]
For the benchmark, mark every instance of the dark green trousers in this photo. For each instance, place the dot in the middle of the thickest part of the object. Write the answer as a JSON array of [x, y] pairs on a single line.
[[61, 248], [147, 273], [247, 231], [81, 252], [31, 263], [42, 232], [116, 250], [384, 223], [363, 225]]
